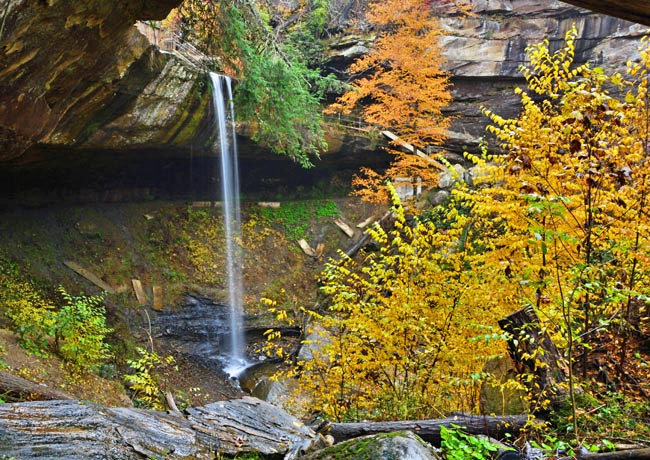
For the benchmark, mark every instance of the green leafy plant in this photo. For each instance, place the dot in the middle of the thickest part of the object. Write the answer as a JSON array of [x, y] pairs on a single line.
[[457, 445], [277, 94], [551, 445], [145, 382], [79, 329], [294, 217]]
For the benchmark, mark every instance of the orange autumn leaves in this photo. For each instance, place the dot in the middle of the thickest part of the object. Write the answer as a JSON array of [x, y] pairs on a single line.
[[402, 88]]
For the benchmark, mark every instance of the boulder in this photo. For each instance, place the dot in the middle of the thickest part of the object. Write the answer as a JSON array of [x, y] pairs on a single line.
[[449, 178], [400, 445], [439, 197], [504, 396]]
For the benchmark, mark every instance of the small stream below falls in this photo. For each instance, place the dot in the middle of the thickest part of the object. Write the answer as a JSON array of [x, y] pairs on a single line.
[[198, 329]]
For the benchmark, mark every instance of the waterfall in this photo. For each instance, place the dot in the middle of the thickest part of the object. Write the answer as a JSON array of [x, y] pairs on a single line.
[[224, 114]]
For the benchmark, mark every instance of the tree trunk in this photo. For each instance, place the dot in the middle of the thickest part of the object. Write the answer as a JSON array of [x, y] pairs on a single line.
[[429, 430], [633, 454], [16, 388], [533, 352], [73, 430]]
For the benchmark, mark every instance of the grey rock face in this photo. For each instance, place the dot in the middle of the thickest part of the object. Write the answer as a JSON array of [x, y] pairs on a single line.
[[484, 53]]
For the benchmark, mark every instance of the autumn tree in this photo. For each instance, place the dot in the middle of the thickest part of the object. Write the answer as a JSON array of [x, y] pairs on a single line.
[[570, 197], [557, 222], [402, 88], [398, 340]]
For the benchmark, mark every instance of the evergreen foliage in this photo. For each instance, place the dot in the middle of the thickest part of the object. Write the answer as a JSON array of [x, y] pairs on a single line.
[[277, 92]]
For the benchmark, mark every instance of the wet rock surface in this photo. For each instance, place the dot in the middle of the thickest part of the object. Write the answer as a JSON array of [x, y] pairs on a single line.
[[197, 329], [77, 430]]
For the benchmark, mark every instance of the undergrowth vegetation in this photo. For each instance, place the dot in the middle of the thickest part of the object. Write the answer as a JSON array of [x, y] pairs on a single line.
[[395, 342], [146, 380], [295, 217], [557, 226], [76, 330]]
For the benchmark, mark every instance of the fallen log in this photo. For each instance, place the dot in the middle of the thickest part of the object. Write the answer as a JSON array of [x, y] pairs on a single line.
[[365, 239], [90, 276], [139, 292], [429, 430], [306, 248], [17, 388], [632, 454], [345, 228], [410, 148], [356, 247], [76, 430]]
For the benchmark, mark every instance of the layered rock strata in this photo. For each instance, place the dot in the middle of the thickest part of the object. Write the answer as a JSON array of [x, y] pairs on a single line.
[[78, 74]]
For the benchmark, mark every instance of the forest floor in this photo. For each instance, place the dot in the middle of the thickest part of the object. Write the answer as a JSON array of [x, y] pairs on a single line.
[[175, 245]]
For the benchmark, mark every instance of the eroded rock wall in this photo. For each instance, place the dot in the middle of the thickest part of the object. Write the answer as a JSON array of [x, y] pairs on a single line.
[[77, 78], [79, 74], [484, 53]]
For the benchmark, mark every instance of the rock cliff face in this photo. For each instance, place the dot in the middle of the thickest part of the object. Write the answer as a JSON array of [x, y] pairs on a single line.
[[79, 74], [78, 81], [484, 53]]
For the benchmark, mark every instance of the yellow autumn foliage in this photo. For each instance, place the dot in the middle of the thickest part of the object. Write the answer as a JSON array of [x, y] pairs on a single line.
[[400, 337], [557, 222], [569, 196]]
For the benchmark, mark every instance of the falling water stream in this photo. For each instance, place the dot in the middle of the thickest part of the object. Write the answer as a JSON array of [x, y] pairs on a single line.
[[225, 115]]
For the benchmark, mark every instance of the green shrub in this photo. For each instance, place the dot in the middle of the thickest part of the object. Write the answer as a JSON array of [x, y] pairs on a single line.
[[79, 329], [294, 217], [457, 445]]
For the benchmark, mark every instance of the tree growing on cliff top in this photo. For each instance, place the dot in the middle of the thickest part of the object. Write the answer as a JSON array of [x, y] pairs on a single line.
[[277, 94], [402, 88]]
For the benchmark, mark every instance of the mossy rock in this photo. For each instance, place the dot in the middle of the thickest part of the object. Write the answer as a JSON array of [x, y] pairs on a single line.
[[400, 445]]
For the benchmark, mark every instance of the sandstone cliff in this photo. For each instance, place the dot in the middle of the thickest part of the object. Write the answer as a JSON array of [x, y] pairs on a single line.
[[79, 74], [76, 78], [484, 53]]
